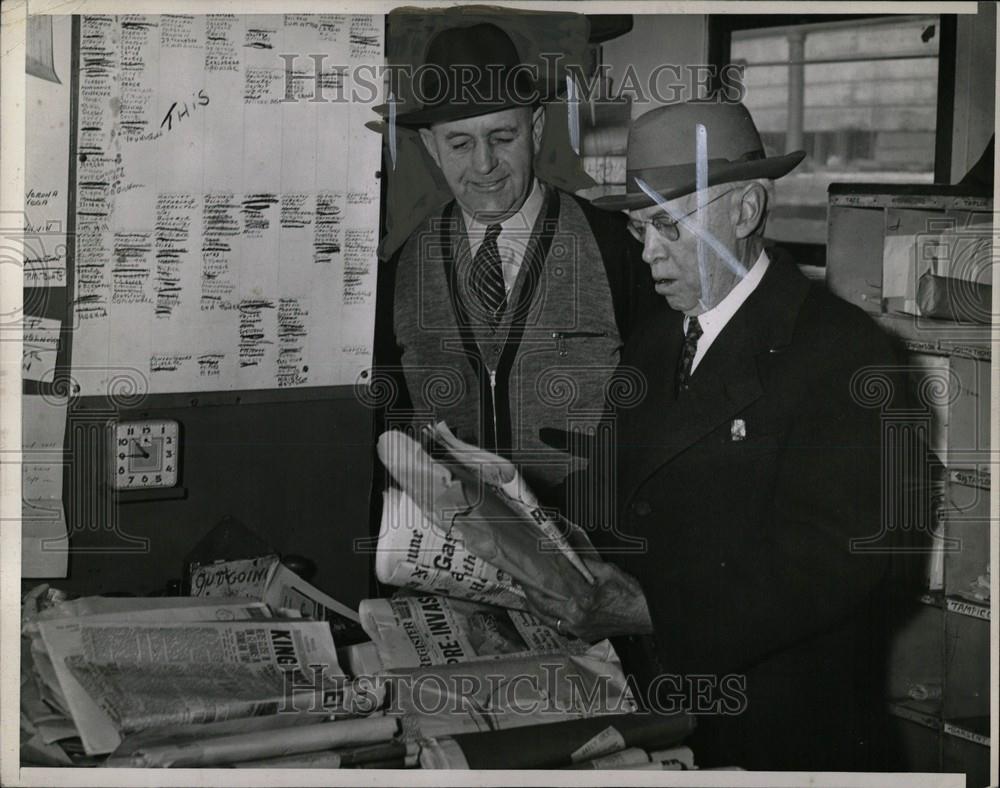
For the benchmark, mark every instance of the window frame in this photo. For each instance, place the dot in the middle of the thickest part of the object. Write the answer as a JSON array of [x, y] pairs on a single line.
[[722, 26]]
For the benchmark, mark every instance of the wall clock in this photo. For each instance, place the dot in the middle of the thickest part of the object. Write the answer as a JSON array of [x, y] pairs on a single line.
[[145, 454]]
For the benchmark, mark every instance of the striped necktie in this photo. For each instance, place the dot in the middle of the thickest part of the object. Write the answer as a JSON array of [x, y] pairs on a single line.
[[686, 360], [487, 276]]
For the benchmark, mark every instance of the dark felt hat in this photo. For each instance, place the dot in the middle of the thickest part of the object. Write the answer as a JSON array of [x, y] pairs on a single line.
[[467, 72], [661, 152]]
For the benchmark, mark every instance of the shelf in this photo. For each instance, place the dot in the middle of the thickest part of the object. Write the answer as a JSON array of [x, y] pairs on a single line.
[[922, 195], [957, 604], [939, 337], [928, 715], [943, 644], [971, 478], [968, 607], [974, 729], [923, 712]]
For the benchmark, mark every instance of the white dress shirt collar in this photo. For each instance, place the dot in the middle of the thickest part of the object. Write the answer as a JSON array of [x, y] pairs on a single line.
[[715, 319], [515, 233]]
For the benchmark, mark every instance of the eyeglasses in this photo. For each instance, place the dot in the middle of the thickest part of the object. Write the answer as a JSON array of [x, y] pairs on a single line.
[[664, 225]]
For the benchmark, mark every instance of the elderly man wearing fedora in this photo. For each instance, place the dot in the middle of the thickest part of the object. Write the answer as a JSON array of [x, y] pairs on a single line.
[[512, 301], [750, 470]]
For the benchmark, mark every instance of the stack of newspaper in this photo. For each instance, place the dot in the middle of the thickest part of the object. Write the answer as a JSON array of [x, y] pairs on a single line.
[[102, 668], [464, 536]]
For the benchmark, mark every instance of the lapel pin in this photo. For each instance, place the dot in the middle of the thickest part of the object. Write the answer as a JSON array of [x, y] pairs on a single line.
[[738, 430]]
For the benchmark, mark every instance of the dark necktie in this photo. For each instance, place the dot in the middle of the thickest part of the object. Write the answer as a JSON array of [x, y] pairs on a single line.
[[487, 276], [687, 354]]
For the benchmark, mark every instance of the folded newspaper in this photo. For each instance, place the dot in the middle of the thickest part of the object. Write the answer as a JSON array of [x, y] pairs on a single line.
[[415, 631], [62, 637], [469, 526], [413, 553], [106, 667], [510, 693], [457, 666], [148, 674], [267, 579]]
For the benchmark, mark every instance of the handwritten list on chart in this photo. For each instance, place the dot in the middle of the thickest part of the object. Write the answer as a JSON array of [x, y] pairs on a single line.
[[227, 204]]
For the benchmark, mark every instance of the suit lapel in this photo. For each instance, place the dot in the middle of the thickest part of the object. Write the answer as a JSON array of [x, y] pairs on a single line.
[[669, 425], [726, 381]]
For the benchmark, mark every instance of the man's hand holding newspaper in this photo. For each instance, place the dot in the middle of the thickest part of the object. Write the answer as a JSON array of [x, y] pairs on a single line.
[[612, 605], [499, 523], [481, 498]]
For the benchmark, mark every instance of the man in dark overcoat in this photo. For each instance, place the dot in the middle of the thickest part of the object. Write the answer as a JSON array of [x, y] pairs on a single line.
[[745, 572]]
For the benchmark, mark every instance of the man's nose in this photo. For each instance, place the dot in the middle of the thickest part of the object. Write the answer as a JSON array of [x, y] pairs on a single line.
[[483, 159], [653, 247]]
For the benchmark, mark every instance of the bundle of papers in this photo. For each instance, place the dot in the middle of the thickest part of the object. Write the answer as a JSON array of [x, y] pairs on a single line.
[[469, 526], [468, 534], [102, 668], [270, 581], [513, 692], [413, 553], [456, 666], [419, 631]]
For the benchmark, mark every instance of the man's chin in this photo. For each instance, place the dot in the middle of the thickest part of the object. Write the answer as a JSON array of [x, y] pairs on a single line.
[[494, 208], [676, 303]]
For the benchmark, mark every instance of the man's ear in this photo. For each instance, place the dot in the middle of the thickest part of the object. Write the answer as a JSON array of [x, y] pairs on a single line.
[[750, 210], [427, 136], [537, 127]]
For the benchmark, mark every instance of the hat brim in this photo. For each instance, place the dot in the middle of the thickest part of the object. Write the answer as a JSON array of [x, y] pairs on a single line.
[[416, 118], [682, 181], [419, 118]]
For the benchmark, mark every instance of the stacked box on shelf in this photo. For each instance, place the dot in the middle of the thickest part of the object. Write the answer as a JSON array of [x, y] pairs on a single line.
[[950, 373], [965, 709], [919, 747], [916, 659], [854, 252], [965, 702], [966, 757], [966, 512], [862, 215]]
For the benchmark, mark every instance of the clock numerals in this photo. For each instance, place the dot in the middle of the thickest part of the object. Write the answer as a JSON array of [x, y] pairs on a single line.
[[144, 454]]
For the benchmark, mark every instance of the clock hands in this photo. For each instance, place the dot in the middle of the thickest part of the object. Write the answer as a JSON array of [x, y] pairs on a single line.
[[146, 453]]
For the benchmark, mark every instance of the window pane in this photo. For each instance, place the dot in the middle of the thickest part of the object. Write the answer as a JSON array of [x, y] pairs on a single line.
[[859, 97]]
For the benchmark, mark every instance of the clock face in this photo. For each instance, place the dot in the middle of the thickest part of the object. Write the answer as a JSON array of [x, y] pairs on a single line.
[[145, 454]]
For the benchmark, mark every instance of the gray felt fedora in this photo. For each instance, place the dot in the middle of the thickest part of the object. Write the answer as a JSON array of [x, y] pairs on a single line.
[[661, 152]]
